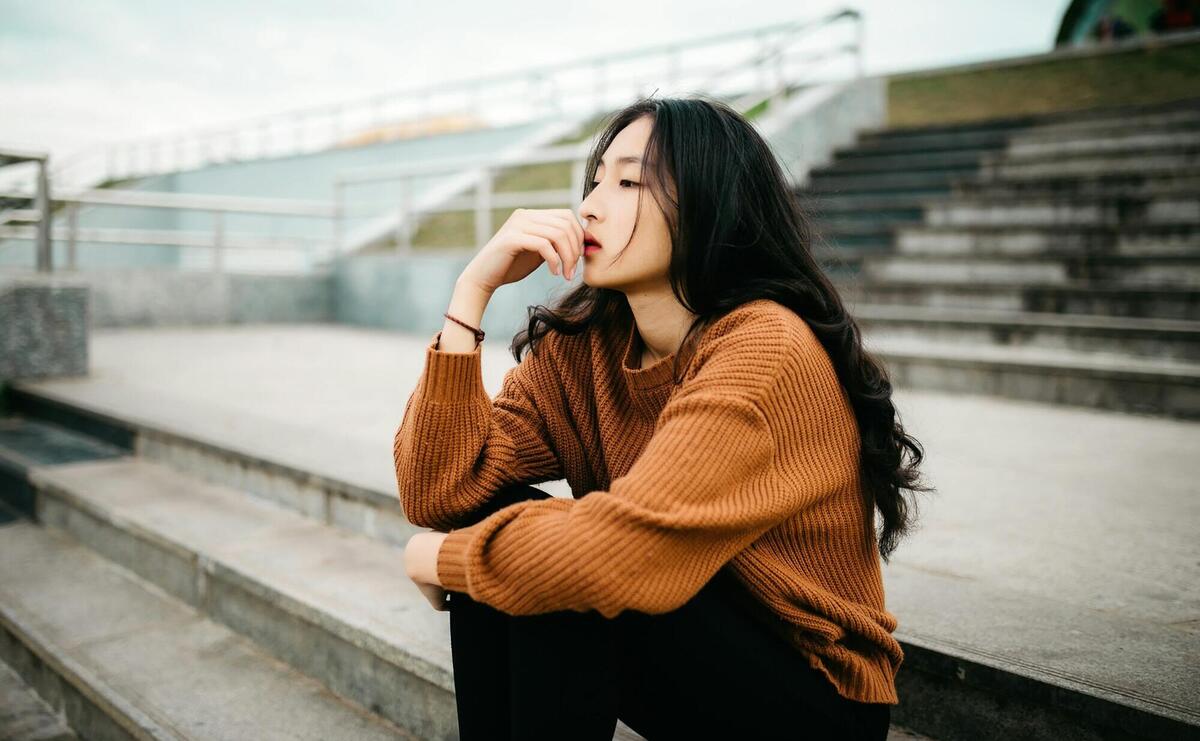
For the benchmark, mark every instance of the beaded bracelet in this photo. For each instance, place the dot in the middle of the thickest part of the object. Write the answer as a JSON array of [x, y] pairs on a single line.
[[479, 333]]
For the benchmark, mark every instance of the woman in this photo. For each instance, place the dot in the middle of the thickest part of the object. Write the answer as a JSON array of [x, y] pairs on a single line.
[[727, 441]]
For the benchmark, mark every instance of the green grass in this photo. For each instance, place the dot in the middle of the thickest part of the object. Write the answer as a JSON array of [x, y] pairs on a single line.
[[1139, 76], [457, 228]]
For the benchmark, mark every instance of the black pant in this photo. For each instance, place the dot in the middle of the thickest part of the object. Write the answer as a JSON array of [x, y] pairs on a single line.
[[710, 669]]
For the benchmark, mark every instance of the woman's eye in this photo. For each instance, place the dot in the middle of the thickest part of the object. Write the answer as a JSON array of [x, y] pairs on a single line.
[[595, 183]]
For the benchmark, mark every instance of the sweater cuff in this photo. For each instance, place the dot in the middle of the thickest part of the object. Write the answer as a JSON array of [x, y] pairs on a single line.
[[452, 560], [452, 376]]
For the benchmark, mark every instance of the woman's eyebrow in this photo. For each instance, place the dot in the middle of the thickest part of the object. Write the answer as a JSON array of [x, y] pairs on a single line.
[[627, 158]]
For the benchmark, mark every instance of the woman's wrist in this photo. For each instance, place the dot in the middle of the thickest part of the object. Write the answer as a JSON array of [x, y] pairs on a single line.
[[421, 557]]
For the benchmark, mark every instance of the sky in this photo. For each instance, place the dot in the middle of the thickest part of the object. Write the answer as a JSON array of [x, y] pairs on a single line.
[[76, 75]]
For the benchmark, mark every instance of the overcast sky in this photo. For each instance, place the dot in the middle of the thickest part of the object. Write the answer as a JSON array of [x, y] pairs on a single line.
[[77, 74]]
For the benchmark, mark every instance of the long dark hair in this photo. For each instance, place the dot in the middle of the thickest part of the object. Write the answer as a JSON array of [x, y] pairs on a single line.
[[738, 233]]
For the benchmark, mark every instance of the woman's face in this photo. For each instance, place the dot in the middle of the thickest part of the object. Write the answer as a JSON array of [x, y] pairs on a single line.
[[610, 211]]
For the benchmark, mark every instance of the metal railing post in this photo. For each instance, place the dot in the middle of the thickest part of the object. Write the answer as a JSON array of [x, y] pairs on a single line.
[[483, 207], [218, 264], [404, 227], [45, 256], [72, 235], [339, 198]]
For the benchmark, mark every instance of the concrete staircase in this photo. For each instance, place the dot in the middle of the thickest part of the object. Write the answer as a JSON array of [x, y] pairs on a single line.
[[1053, 259], [164, 579], [153, 586]]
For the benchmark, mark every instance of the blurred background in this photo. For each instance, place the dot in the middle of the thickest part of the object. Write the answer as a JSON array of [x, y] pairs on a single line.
[[228, 231]]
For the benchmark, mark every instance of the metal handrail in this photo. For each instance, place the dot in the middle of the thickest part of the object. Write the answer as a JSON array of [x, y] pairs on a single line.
[[481, 174], [217, 239], [40, 199], [485, 199], [541, 89]]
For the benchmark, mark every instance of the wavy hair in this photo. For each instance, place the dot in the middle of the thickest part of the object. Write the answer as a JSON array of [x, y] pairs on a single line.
[[739, 233]]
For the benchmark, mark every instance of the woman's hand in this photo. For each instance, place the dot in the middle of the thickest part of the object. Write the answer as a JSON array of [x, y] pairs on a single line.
[[420, 562], [528, 238]]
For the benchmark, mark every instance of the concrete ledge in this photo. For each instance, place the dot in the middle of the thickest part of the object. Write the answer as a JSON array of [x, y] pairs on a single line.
[[996, 266], [1096, 242], [350, 620], [44, 332], [150, 297], [125, 661], [328, 500], [24, 716], [1122, 384], [1135, 337], [1069, 299]]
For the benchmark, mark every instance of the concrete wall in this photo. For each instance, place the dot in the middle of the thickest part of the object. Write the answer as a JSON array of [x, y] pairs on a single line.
[[410, 293], [813, 123], [43, 327], [150, 297]]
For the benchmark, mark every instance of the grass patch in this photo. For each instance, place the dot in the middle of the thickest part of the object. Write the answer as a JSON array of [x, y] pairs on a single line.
[[1138, 76]]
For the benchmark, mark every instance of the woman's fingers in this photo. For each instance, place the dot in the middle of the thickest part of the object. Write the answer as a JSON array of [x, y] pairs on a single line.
[[559, 235]]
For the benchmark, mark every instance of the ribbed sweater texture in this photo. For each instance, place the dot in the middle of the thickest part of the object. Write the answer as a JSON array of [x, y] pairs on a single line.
[[750, 463]]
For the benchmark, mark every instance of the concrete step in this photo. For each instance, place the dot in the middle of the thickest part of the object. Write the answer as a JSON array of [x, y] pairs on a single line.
[[967, 140], [864, 223], [931, 183], [1038, 269], [1159, 160], [1119, 336], [334, 500], [1184, 120], [1046, 375], [123, 660], [955, 161], [332, 604], [842, 239], [320, 598], [1024, 211], [1166, 113], [24, 716], [1132, 184], [831, 204], [1030, 145], [980, 134], [1167, 302], [1110, 654], [1145, 240], [1036, 652]]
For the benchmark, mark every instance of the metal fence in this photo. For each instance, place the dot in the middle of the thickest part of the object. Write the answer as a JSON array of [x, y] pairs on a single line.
[[741, 59], [770, 60]]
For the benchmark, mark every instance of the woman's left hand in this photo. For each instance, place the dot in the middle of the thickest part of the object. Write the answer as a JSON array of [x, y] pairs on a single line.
[[420, 562]]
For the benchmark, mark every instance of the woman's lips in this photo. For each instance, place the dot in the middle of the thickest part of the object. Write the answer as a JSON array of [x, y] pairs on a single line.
[[590, 248]]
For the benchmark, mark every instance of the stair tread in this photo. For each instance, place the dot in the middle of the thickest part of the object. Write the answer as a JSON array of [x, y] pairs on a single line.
[[1177, 371], [352, 584], [1008, 628], [24, 715], [1027, 318], [1005, 545], [867, 284], [1121, 229], [165, 667]]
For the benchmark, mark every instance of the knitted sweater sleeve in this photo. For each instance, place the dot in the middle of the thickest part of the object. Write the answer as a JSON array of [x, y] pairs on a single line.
[[456, 446], [706, 486]]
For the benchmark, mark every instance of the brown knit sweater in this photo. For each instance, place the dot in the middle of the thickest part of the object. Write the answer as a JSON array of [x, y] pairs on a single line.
[[750, 463]]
